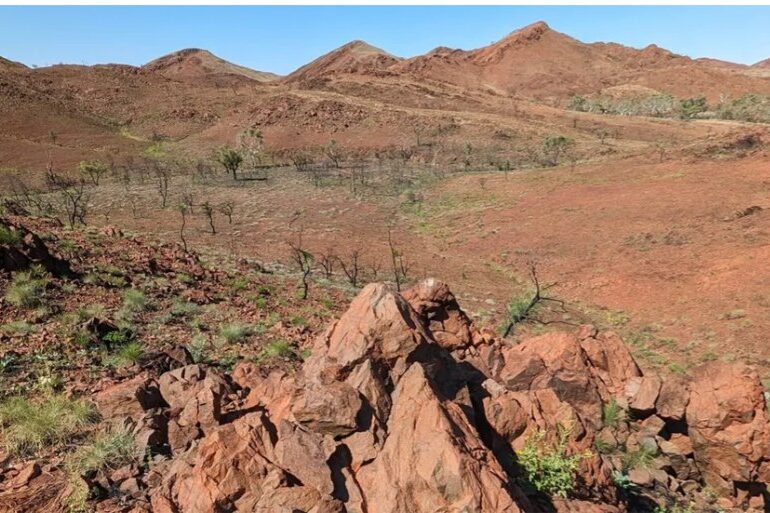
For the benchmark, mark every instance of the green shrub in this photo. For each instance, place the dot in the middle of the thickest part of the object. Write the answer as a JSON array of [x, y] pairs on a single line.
[[234, 332], [28, 426], [18, 328], [109, 450], [750, 107], [277, 349], [298, 321], [691, 107], [27, 287], [134, 300], [548, 467], [184, 308], [126, 355], [198, 348], [603, 446], [612, 414], [8, 236], [641, 457]]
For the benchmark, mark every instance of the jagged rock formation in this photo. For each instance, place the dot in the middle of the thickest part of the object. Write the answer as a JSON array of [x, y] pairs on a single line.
[[406, 407], [20, 249]]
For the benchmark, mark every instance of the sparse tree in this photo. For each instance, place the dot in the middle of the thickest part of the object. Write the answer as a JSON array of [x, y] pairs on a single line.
[[399, 265], [183, 212], [304, 261], [188, 200], [93, 169], [53, 137], [333, 152], [208, 211], [326, 261], [73, 194], [352, 267], [524, 308], [554, 147], [231, 159], [162, 179], [300, 160], [227, 209], [375, 265], [250, 144]]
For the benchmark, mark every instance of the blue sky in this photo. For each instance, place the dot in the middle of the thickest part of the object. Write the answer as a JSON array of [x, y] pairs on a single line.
[[280, 39]]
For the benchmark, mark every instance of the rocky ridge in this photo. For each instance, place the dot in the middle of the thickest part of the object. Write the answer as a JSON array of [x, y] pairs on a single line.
[[406, 406]]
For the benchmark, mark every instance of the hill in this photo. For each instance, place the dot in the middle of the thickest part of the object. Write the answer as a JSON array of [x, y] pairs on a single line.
[[194, 63], [356, 57]]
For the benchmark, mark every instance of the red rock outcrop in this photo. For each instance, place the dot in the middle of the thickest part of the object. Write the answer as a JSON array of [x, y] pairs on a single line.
[[406, 407]]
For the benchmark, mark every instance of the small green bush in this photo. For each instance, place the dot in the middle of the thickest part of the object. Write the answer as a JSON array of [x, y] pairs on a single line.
[[126, 355], [18, 328], [28, 426], [641, 457], [277, 349], [184, 308], [8, 236], [134, 300], [548, 467], [199, 348], [612, 414], [109, 450], [27, 288], [234, 332]]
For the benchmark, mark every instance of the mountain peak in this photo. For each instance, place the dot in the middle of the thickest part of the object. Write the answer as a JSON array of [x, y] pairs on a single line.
[[198, 63], [531, 32], [354, 57]]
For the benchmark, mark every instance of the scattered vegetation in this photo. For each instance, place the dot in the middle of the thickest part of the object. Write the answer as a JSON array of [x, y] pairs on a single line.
[[548, 467], [107, 451], [30, 425], [612, 414], [234, 332], [27, 288]]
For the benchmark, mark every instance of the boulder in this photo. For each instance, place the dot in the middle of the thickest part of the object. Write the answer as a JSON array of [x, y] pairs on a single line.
[[453, 472], [196, 396], [330, 409], [379, 325], [29, 250], [642, 393], [129, 399], [727, 424], [673, 398], [450, 327]]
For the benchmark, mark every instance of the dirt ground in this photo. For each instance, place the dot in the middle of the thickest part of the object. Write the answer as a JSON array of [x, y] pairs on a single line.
[[668, 253]]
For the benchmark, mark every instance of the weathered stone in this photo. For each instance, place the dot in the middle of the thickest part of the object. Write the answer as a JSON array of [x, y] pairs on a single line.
[[727, 424], [454, 472], [641, 400], [331, 409]]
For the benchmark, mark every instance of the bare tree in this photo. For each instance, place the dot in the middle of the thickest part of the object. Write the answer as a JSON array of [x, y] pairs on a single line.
[[162, 177], [183, 212], [93, 169], [227, 209], [352, 267], [333, 152], [188, 200], [208, 211], [73, 195], [398, 262], [304, 260], [300, 160], [326, 261], [521, 309], [375, 266]]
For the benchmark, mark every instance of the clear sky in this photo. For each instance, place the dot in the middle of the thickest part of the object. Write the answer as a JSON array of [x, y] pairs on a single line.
[[279, 39]]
